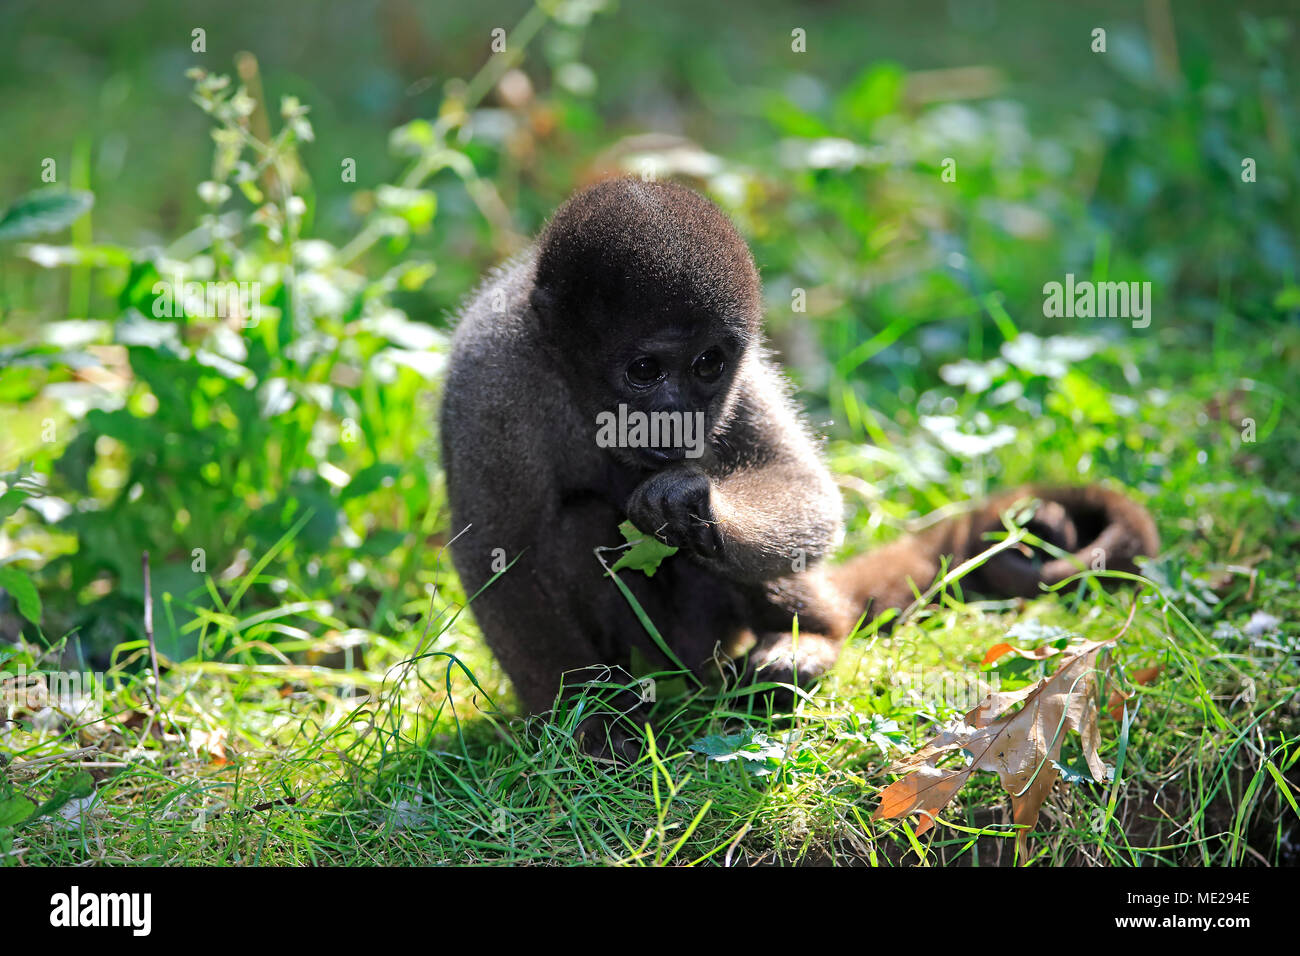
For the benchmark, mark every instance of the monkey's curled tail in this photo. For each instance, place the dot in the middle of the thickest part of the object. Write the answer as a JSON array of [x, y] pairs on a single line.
[[1099, 528]]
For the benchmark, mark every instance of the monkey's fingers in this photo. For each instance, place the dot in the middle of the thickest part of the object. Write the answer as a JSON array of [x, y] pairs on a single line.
[[703, 536], [677, 505]]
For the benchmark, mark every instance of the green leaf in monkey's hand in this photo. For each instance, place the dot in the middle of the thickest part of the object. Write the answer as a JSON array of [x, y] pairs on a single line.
[[646, 551]]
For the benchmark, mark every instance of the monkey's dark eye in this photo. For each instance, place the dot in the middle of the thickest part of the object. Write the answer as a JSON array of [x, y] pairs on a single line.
[[708, 366], [644, 371]]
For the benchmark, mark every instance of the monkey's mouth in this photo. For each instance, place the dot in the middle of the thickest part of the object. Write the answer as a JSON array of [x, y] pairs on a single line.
[[658, 457]]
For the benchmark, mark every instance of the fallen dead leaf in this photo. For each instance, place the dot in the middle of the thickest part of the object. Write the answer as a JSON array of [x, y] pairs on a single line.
[[1020, 748], [1143, 675], [210, 742], [1001, 650]]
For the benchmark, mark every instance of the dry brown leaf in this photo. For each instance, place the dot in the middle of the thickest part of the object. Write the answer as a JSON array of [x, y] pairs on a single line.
[[1018, 747], [1143, 675], [1001, 650], [210, 742]]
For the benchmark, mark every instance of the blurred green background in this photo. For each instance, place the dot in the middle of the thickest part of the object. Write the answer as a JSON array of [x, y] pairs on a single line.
[[101, 88]]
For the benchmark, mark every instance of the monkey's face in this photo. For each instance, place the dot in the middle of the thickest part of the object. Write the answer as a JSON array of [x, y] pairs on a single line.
[[676, 384], [648, 301], [654, 379]]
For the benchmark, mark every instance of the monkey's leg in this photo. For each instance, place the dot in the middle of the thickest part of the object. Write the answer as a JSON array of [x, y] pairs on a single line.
[[548, 655], [552, 618], [824, 617], [798, 660], [554, 613], [533, 639]]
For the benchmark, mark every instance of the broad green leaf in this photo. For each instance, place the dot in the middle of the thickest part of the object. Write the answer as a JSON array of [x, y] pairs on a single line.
[[746, 745], [15, 810], [875, 92], [46, 210], [416, 206], [382, 542], [646, 552], [21, 589], [74, 787], [10, 501], [1287, 299], [1076, 771], [371, 478]]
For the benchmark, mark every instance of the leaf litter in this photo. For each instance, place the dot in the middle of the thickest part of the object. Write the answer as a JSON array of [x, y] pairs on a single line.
[[1023, 747]]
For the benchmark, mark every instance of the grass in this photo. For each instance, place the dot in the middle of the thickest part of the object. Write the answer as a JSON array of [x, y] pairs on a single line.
[[324, 696], [414, 755]]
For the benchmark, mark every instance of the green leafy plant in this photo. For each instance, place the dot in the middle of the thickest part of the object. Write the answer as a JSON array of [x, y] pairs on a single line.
[[224, 428], [46, 210]]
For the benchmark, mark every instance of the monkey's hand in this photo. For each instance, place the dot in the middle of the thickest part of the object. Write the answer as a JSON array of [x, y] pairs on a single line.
[[676, 506]]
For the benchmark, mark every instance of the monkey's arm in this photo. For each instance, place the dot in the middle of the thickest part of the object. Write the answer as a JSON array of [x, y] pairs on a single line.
[[763, 506]]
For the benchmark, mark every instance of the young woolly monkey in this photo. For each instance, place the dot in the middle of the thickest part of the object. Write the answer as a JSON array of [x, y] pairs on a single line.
[[640, 299]]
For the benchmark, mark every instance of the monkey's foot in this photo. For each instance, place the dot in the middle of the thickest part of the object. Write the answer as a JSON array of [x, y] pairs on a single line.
[[785, 659], [611, 738]]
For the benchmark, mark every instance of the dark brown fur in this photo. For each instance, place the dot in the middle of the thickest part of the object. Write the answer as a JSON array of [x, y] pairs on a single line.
[[627, 268]]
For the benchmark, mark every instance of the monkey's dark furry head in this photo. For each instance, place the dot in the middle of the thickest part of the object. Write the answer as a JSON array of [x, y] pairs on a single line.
[[646, 296], [657, 255]]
